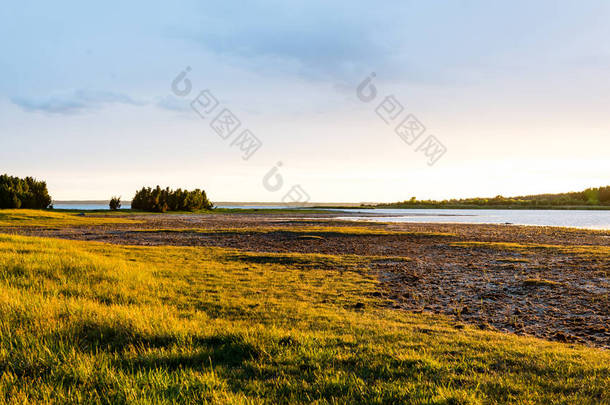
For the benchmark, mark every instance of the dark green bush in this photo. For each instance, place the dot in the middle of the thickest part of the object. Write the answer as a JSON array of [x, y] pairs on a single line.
[[115, 203], [23, 193], [604, 195], [161, 200]]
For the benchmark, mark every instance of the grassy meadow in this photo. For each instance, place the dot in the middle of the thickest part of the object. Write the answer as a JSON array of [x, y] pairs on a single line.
[[86, 322], [583, 251], [50, 219]]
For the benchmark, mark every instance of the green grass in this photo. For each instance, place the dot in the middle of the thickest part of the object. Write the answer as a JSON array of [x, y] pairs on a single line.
[[305, 231], [20, 218], [579, 250], [84, 322]]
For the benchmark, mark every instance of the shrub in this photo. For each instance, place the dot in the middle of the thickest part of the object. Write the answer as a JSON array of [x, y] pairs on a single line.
[[115, 203], [23, 193], [604, 195], [162, 200]]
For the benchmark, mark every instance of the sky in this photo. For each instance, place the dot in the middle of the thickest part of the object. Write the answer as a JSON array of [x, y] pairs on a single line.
[[514, 97]]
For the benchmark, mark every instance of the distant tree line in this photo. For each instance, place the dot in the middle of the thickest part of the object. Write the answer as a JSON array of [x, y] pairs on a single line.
[[590, 197], [162, 200], [23, 193]]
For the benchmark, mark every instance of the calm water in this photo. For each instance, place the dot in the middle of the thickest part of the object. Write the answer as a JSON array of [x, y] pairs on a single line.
[[569, 218]]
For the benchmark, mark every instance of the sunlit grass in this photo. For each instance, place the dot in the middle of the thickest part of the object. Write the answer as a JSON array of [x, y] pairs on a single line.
[[305, 230], [89, 322], [17, 218], [581, 250], [540, 282]]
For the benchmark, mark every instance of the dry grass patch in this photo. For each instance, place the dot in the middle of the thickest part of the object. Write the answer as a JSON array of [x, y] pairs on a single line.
[[583, 250], [51, 219], [540, 282]]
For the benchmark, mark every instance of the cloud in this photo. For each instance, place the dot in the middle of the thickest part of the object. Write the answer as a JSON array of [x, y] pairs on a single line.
[[316, 40], [312, 54], [172, 103], [73, 102]]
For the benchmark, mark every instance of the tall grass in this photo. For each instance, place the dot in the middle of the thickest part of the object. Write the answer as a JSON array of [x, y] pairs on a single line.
[[22, 217], [92, 323]]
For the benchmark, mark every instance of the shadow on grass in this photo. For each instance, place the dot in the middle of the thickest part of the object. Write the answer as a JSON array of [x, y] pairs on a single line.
[[285, 358], [303, 261], [93, 336], [319, 369], [226, 349]]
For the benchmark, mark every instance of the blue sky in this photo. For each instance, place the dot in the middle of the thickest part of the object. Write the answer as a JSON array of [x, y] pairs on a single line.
[[517, 92]]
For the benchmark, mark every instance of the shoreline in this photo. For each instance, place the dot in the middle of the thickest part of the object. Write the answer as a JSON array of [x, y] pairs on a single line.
[[362, 214], [364, 219]]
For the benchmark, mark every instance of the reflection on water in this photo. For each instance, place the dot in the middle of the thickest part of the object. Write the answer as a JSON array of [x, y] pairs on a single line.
[[589, 219]]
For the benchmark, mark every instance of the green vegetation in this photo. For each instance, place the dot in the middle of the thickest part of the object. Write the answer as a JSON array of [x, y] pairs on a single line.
[[84, 322], [589, 198], [53, 219], [583, 250], [162, 200], [316, 231], [115, 203], [23, 193]]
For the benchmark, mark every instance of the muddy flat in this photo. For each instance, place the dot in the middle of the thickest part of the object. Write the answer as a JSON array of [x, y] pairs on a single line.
[[552, 283]]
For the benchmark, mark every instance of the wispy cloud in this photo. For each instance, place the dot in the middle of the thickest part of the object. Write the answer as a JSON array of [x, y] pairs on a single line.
[[172, 103], [316, 40], [73, 102]]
